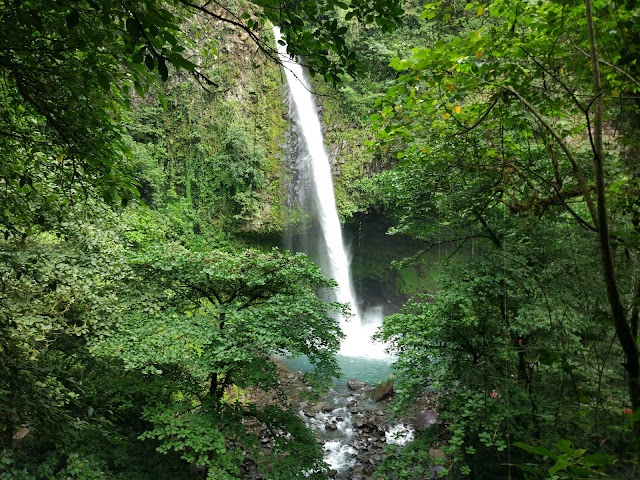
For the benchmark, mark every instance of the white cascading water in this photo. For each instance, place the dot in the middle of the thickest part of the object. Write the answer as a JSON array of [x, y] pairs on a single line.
[[358, 330]]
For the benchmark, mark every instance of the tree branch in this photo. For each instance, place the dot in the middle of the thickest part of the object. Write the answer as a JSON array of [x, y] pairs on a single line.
[[424, 251], [492, 235], [566, 206], [582, 183], [631, 78], [268, 52], [478, 122], [552, 75]]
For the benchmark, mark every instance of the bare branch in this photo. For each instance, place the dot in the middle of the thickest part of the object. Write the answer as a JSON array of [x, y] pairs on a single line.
[[555, 77]]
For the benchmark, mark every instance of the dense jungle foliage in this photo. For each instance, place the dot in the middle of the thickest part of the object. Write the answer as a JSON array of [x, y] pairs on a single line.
[[141, 169]]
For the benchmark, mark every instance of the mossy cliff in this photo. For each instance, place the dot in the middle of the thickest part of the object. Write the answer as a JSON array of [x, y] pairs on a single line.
[[215, 147]]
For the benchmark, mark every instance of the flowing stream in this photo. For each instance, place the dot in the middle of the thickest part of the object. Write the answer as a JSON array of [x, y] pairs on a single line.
[[359, 356]]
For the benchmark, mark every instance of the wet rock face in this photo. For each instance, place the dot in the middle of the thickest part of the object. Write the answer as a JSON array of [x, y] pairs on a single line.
[[319, 407], [353, 429], [374, 430]]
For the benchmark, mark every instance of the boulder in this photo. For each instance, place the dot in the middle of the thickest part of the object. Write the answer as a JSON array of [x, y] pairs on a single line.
[[383, 391], [21, 434], [317, 408], [359, 423], [354, 385], [435, 471], [425, 420]]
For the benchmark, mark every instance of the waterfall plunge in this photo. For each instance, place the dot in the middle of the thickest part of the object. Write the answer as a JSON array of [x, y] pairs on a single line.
[[358, 329]]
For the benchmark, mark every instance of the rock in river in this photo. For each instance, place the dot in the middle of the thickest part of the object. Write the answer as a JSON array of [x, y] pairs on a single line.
[[354, 385]]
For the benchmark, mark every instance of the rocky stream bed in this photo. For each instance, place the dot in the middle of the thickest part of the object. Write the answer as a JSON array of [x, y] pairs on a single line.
[[354, 422]]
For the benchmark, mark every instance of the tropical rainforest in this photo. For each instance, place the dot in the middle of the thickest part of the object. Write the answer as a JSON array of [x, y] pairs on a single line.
[[145, 298]]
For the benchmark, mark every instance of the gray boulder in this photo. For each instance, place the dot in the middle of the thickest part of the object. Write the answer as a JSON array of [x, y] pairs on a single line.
[[355, 385], [425, 420]]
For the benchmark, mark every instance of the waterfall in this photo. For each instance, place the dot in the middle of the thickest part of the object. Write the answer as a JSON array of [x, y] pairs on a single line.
[[359, 357], [358, 328]]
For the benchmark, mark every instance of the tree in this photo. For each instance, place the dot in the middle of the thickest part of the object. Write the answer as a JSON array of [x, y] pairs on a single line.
[[207, 325], [115, 323], [514, 340], [69, 71], [54, 293], [512, 116]]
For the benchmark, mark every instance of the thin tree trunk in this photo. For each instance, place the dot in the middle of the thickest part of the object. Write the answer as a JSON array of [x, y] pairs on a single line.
[[214, 384], [213, 387], [623, 329]]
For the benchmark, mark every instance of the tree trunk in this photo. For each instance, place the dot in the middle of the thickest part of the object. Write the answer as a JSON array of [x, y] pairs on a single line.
[[623, 329], [213, 387]]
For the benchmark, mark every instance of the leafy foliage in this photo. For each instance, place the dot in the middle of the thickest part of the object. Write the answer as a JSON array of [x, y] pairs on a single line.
[[492, 129], [570, 462], [189, 325], [512, 338], [208, 321]]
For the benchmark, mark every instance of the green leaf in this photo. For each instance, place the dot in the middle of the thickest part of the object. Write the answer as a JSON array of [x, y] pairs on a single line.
[[561, 464], [103, 81], [132, 28], [72, 19], [138, 88], [182, 62], [149, 61], [163, 101], [598, 459], [535, 450], [138, 57], [162, 68]]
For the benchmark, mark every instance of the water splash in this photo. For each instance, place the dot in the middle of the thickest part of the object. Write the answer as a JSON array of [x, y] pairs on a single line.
[[399, 434]]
